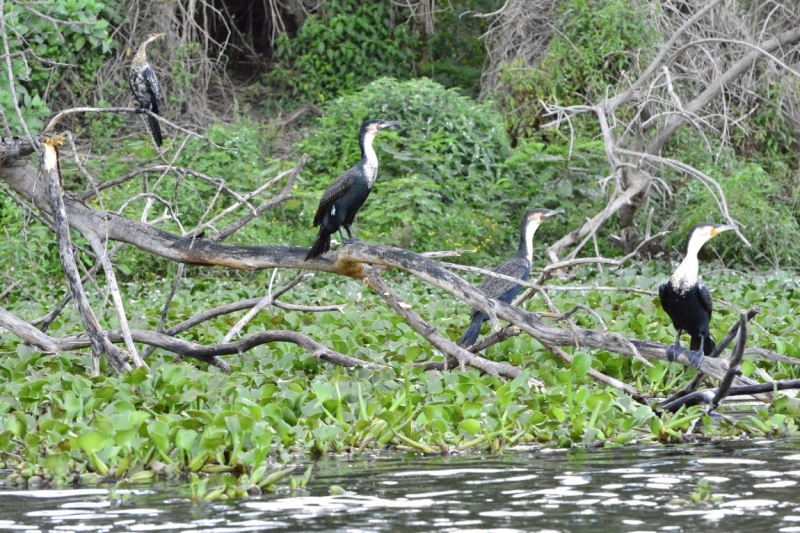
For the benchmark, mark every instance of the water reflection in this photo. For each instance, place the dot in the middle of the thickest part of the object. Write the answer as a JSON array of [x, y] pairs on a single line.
[[626, 490]]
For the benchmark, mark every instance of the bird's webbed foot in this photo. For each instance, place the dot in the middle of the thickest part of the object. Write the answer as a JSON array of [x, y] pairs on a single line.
[[695, 358], [676, 349], [673, 351], [349, 234], [139, 110]]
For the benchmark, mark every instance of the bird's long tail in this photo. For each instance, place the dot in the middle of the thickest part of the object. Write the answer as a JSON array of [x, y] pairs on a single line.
[[155, 128], [471, 334], [708, 344], [320, 246]]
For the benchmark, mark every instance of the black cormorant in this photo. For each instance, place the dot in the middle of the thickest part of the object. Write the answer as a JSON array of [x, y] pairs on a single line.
[[144, 85], [341, 201], [686, 299], [518, 266]]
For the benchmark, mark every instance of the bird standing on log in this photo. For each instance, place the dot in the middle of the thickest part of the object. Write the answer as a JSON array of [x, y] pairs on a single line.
[[144, 85], [687, 300], [341, 201], [518, 266]]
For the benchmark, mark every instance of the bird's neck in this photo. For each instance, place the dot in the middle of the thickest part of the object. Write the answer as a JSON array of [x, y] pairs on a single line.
[[686, 275], [369, 158], [526, 241], [141, 54]]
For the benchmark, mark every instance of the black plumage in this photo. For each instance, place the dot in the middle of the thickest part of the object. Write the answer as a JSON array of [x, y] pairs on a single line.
[[344, 197], [518, 267], [687, 300], [144, 85]]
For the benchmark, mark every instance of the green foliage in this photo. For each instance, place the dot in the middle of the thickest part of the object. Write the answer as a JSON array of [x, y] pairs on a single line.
[[754, 201], [82, 40], [182, 418], [453, 55], [446, 178], [350, 43], [770, 139], [593, 43]]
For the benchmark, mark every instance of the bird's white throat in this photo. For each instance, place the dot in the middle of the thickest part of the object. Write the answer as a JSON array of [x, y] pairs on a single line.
[[371, 163], [686, 275], [530, 229]]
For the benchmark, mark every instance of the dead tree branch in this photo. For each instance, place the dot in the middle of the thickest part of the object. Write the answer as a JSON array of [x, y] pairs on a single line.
[[351, 260], [209, 354], [99, 342]]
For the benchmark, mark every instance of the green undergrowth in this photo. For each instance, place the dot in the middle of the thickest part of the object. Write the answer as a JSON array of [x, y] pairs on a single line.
[[449, 177], [59, 425]]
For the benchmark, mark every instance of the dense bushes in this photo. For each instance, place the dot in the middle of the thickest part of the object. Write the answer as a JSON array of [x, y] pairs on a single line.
[[348, 44], [594, 43], [447, 175], [753, 200], [82, 41]]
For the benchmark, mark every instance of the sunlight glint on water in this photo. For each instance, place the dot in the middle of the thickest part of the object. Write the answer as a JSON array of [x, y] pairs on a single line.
[[625, 490]]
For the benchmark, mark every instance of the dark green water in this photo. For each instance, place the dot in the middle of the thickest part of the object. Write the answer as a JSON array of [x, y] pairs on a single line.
[[630, 490]]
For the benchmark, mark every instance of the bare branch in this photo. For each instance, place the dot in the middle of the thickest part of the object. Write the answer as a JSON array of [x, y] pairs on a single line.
[[599, 376], [100, 344], [447, 347], [76, 110], [733, 369]]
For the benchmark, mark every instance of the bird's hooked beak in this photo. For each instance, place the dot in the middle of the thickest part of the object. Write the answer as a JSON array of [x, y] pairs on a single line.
[[386, 125], [552, 213], [716, 230]]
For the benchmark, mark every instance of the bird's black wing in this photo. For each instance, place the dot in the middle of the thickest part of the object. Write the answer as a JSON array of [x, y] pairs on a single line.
[[334, 193], [152, 87], [662, 295], [705, 298], [495, 287]]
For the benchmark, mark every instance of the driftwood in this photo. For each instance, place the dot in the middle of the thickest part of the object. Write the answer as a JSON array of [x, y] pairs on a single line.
[[633, 150], [354, 260]]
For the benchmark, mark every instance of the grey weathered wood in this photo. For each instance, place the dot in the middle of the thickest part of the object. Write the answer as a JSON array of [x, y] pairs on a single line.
[[100, 345], [348, 261]]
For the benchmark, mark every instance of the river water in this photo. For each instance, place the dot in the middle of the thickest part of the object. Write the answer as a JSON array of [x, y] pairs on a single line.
[[618, 490]]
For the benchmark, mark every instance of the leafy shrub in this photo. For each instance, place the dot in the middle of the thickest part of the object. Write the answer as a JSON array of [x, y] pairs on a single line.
[[444, 173], [82, 41], [348, 44], [593, 43], [769, 226], [454, 54], [769, 137]]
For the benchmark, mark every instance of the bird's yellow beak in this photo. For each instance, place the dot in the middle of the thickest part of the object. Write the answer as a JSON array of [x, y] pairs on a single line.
[[719, 229]]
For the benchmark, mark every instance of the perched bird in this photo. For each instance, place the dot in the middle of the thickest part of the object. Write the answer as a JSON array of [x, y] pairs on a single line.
[[686, 299], [341, 201], [144, 85], [518, 266]]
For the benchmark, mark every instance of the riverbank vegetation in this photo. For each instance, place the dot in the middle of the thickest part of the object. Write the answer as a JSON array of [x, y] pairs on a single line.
[[639, 119]]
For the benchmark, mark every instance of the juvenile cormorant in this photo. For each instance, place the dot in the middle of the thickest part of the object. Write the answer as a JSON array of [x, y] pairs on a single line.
[[341, 201], [144, 85], [686, 299], [518, 266]]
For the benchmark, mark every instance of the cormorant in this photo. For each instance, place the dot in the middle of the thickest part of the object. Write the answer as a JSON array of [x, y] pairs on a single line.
[[341, 201], [144, 85], [686, 299], [518, 266]]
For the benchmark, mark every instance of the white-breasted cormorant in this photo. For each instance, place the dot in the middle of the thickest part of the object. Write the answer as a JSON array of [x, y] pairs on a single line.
[[518, 266], [686, 299], [144, 85], [341, 201]]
